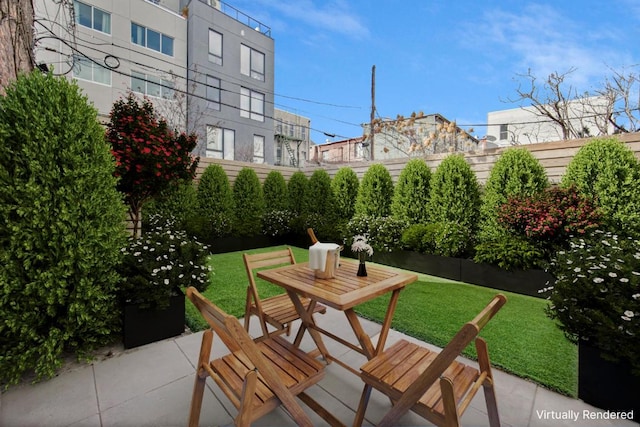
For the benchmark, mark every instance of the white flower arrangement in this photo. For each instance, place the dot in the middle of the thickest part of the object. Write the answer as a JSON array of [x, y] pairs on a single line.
[[360, 244]]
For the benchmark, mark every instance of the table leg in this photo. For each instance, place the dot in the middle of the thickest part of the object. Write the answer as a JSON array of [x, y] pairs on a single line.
[[386, 325], [363, 338], [307, 319], [303, 326]]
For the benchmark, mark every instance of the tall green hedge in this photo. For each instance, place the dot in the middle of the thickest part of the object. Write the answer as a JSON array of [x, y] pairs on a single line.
[[411, 194], [608, 170], [320, 206], [179, 201], [62, 227], [345, 189], [516, 173], [375, 192], [455, 194], [297, 188], [215, 208], [276, 196], [249, 203]]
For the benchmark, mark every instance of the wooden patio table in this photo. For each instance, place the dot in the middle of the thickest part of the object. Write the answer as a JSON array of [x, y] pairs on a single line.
[[342, 292]]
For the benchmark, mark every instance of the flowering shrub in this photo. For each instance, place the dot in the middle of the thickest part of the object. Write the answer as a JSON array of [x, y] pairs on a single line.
[[149, 156], [385, 233], [551, 216], [277, 223], [596, 296], [360, 245], [156, 265]]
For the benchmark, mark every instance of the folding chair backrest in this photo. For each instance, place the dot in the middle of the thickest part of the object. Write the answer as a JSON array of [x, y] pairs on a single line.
[[460, 341], [252, 262], [216, 318], [312, 236]]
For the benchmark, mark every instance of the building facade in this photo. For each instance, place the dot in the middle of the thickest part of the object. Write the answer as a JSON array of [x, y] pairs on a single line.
[[525, 125], [207, 67], [291, 138]]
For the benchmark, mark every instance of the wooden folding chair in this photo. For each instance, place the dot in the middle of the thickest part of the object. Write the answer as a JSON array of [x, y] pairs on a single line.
[[257, 377], [407, 373], [312, 236], [277, 311]]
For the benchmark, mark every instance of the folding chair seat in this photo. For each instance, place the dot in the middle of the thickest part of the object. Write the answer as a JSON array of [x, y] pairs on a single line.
[[407, 374], [277, 311], [256, 377]]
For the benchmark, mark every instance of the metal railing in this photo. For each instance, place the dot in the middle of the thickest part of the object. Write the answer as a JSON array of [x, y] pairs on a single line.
[[239, 16]]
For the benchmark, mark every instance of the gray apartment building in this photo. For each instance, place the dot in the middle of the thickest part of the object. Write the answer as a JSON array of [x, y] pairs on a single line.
[[207, 67]]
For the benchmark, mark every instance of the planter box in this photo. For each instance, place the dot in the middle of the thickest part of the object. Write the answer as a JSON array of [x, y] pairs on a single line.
[[235, 244], [525, 282], [605, 384], [144, 326]]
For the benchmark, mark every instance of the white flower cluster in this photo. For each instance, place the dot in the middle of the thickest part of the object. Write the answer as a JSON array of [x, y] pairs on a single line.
[[360, 245]]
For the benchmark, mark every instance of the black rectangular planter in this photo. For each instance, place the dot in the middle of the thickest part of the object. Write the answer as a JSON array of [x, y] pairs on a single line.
[[525, 282], [146, 325]]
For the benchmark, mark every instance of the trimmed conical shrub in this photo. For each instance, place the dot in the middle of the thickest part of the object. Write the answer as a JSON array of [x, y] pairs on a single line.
[[345, 190], [411, 194], [249, 203], [375, 192], [62, 227]]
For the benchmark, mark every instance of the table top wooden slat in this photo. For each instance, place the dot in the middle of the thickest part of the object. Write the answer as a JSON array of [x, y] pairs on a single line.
[[346, 289]]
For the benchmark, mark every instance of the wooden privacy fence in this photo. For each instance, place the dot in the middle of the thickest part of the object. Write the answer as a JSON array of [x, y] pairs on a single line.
[[554, 157]]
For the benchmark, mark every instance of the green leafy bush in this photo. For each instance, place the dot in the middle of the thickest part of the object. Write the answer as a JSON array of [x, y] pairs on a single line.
[[455, 195], [608, 170], [596, 295], [384, 233], [160, 263], [179, 201], [438, 238], [297, 189], [509, 251], [411, 194], [516, 173], [216, 207], [249, 203], [62, 227], [375, 192], [276, 196], [345, 189], [320, 206], [419, 238]]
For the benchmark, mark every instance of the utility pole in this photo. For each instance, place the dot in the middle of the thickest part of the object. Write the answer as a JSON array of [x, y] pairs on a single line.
[[373, 109]]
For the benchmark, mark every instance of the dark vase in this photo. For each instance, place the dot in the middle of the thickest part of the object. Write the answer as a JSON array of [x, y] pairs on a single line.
[[146, 325], [362, 267], [606, 384]]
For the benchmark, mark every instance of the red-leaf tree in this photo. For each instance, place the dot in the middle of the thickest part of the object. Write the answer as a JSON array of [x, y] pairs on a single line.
[[149, 156]]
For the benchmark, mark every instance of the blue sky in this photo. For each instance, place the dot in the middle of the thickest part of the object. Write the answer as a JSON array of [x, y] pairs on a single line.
[[459, 59]]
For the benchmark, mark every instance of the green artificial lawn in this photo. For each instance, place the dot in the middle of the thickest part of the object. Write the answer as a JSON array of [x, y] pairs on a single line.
[[522, 340]]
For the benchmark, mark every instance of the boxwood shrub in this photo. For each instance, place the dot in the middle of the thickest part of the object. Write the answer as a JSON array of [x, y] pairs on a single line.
[[607, 170], [375, 192], [276, 196], [249, 203], [62, 227], [345, 190], [411, 193]]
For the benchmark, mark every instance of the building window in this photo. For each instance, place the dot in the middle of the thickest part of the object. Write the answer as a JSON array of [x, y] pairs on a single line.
[[151, 85], [215, 47], [258, 149], [251, 62], [251, 104], [85, 69], [220, 142], [151, 39], [213, 93], [504, 132], [92, 17]]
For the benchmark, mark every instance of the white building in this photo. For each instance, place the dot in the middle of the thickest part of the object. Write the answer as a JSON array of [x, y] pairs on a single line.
[[525, 125]]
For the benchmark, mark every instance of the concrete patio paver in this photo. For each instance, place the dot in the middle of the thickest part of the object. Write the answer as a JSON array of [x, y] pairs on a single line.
[[151, 386]]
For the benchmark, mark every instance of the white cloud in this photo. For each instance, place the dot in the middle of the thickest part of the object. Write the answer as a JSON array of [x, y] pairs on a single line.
[[326, 17], [545, 41]]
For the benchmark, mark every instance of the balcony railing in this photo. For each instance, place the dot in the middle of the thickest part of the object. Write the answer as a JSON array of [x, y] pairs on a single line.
[[239, 16]]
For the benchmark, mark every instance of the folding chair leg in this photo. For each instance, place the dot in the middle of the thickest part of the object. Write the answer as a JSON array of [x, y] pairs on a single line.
[[451, 418], [201, 379], [248, 390], [362, 406], [489, 389]]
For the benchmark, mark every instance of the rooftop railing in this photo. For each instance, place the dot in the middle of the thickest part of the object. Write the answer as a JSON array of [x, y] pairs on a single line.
[[239, 16]]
